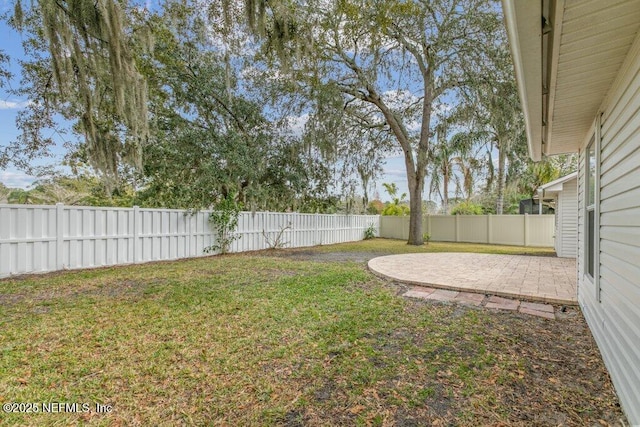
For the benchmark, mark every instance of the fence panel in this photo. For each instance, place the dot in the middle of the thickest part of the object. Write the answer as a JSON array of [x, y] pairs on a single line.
[[48, 238], [518, 230], [508, 229], [31, 233], [540, 230], [472, 228], [443, 228], [394, 227]]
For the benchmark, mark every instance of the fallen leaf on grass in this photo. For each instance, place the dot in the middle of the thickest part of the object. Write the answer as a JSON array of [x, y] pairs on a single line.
[[356, 409]]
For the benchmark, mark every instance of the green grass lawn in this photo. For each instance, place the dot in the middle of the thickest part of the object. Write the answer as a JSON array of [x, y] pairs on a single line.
[[270, 339], [392, 246]]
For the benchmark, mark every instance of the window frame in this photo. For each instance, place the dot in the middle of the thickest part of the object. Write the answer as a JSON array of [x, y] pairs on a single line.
[[594, 142]]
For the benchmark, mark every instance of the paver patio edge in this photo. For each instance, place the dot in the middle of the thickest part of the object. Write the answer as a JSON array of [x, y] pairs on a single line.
[[528, 298], [501, 293]]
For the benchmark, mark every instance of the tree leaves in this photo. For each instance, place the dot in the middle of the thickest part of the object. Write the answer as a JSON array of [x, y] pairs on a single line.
[[89, 74]]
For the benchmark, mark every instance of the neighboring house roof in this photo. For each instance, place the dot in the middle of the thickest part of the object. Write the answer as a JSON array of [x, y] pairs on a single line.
[[567, 54], [554, 187]]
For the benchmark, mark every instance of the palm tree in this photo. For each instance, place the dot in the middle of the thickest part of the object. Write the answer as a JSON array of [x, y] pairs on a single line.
[[448, 155], [495, 115], [396, 206], [507, 128], [469, 166], [441, 172]]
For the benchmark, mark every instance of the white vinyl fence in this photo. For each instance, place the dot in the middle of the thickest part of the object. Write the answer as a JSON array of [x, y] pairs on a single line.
[[517, 230], [35, 239]]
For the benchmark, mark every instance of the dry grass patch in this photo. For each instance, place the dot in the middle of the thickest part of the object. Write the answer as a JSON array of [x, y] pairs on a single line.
[[394, 246]]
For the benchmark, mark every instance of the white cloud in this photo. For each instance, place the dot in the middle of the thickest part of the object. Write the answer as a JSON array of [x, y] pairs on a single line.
[[399, 99], [296, 124], [395, 173], [394, 153], [15, 179], [13, 105]]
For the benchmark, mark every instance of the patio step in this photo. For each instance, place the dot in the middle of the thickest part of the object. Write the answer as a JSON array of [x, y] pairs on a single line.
[[494, 302]]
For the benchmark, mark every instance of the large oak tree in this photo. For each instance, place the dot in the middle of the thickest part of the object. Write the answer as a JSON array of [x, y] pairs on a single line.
[[395, 62]]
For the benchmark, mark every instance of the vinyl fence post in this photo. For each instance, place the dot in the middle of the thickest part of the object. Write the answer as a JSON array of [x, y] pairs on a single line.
[[265, 230], [526, 229], [189, 235], [136, 232], [489, 230], [457, 228], [351, 231], [59, 236]]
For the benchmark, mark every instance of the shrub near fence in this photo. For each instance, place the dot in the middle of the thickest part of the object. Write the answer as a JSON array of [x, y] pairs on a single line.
[[35, 239], [518, 230]]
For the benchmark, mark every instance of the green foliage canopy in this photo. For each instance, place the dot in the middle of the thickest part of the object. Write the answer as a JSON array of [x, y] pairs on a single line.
[[467, 208]]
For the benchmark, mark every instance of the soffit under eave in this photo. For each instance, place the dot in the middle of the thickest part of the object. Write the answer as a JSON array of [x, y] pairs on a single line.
[[522, 20]]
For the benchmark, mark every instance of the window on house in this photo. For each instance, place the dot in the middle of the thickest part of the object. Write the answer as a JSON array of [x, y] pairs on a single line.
[[590, 201]]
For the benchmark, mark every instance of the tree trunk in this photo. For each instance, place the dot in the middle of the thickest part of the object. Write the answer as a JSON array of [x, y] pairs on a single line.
[[445, 192], [365, 184], [490, 174], [502, 155], [416, 185], [416, 168]]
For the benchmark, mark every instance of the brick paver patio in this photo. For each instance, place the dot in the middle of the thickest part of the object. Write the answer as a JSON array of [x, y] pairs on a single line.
[[527, 278], [479, 300]]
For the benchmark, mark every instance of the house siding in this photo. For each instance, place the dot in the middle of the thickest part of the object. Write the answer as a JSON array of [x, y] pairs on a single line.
[[615, 319], [557, 238], [567, 234]]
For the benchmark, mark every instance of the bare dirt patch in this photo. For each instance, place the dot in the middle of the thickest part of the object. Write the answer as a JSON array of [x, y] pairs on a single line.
[[318, 256], [121, 288]]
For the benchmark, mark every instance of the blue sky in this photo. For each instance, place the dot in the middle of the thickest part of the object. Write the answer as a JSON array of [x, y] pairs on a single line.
[[10, 105]]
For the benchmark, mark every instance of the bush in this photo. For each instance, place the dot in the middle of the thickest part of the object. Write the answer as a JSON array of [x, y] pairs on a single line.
[[466, 208], [370, 232], [395, 210], [375, 207], [224, 220]]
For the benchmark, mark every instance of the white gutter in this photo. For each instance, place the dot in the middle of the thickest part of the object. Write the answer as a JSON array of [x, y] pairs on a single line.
[[523, 22]]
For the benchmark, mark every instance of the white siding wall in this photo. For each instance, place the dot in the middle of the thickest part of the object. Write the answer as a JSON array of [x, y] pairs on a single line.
[[567, 233], [38, 239], [615, 319], [557, 237]]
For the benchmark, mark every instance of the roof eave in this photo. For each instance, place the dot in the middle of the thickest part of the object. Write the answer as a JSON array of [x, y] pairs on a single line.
[[558, 184], [524, 29]]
